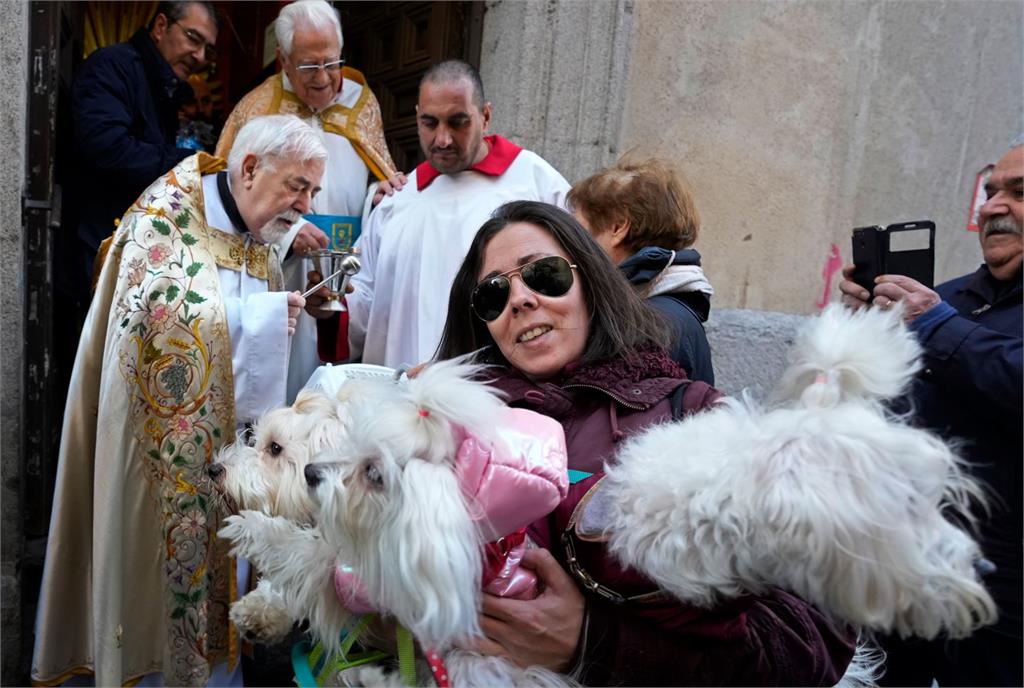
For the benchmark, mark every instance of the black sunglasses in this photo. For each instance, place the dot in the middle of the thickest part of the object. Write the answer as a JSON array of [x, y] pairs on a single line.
[[550, 276]]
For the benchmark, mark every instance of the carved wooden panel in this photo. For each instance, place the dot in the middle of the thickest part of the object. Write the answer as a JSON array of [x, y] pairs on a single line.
[[393, 44]]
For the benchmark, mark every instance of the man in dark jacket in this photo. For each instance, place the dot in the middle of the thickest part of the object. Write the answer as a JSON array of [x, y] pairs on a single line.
[[970, 390], [125, 103]]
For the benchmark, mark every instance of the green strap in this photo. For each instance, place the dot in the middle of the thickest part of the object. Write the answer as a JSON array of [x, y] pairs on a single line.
[[357, 631], [406, 656], [307, 663]]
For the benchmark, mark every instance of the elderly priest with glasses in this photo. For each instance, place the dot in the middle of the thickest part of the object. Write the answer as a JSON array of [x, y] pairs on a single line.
[[315, 84], [187, 341]]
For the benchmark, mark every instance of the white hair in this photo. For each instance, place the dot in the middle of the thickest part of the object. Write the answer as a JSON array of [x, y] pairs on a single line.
[[317, 14], [276, 137]]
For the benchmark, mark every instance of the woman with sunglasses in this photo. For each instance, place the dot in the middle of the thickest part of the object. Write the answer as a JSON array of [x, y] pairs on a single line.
[[570, 339]]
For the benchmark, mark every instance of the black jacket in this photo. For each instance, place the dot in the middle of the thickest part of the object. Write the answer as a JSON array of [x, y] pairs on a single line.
[[125, 103], [685, 311]]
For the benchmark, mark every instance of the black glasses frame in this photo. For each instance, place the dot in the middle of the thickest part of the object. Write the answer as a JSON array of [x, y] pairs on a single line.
[[529, 275], [196, 40]]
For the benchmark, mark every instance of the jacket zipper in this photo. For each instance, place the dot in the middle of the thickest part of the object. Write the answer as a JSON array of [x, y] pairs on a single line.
[[623, 402]]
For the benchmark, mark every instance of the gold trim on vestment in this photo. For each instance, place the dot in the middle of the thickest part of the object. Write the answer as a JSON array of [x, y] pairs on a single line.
[[361, 124], [231, 252]]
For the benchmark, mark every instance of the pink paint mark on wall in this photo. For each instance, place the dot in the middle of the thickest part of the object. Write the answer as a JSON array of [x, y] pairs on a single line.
[[833, 264]]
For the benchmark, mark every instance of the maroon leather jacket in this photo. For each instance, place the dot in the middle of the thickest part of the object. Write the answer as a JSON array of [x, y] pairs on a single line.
[[773, 639]]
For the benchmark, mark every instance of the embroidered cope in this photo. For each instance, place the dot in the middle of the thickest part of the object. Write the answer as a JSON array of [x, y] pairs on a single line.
[[135, 581]]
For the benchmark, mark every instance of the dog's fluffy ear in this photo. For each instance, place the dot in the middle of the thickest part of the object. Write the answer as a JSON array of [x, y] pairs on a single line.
[[423, 564], [323, 423], [843, 353], [450, 394]]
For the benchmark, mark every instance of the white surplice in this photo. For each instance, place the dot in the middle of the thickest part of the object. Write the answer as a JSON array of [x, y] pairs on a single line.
[[413, 244]]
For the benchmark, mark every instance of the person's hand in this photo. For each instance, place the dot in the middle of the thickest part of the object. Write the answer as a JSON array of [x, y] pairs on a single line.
[[889, 291], [539, 632], [388, 187], [315, 300], [853, 295], [310, 238], [295, 304], [914, 297]]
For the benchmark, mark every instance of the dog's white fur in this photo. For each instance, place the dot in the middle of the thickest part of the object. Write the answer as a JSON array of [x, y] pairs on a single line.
[[266, 475], [822, 493], [390, 506]]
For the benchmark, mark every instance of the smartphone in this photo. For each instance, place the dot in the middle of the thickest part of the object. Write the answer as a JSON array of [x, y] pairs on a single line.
[[904, 248], [867, 255]]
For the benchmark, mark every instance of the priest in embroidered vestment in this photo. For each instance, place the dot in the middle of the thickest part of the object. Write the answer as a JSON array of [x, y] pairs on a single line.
[[314, 84], [415, 240], [187, 339]]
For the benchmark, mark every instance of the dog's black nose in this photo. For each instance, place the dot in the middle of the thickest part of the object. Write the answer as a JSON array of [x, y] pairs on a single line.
[[983, 567], [312, 472], [215, 470]]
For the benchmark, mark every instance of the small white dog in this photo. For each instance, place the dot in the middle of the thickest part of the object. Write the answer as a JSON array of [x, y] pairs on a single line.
[[266, 474], [822, 493], [393, 506]]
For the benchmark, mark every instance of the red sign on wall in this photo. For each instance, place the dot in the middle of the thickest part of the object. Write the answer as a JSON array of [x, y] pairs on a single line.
[[978, 199]]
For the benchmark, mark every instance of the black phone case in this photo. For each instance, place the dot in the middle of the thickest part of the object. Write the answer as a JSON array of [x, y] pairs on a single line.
[[872, 254], [867, 255], [918, 264]]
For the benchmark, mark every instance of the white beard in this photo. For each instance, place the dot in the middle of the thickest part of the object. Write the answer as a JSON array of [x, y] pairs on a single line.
[[274, 230]]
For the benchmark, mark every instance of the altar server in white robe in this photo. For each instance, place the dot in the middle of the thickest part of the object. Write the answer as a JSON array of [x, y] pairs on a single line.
[[188, 339], [414, 241]]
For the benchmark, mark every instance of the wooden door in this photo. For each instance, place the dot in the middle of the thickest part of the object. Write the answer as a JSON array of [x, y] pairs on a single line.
[[393, 44]]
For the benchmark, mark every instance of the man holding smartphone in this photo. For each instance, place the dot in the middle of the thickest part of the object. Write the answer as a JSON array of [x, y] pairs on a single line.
[[971, 390]]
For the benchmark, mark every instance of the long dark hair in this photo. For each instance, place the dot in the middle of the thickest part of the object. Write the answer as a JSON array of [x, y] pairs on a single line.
[[621, 323]]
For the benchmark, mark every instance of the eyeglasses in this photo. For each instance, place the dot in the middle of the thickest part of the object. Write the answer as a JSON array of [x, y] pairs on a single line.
[[308, 70], [550, 276], [197, 41]]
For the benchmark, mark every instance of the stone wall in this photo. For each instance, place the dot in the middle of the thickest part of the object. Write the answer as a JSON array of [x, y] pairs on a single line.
[[749, 348], [793, 121], [555, 73], [797, 121], [14, 74]]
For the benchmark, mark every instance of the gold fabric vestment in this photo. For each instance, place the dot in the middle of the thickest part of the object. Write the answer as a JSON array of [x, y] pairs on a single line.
[[361, 124], [135, 579]]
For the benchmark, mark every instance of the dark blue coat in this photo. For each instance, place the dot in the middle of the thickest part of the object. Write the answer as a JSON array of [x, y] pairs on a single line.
[[971, 390], [685, 312], [125, 103]]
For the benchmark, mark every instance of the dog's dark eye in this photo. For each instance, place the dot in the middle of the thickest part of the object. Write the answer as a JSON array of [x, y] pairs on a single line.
[[275, 448], [373, 476]]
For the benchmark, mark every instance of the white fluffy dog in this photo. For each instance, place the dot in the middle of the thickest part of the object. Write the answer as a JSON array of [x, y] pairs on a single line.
[[392, 508], [822, 493], [266, 474]]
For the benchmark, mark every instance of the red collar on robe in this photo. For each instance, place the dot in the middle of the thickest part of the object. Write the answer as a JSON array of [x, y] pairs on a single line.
[[499, 158]]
